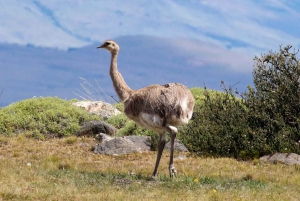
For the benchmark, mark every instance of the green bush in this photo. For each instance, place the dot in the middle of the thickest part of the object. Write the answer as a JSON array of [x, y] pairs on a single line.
[[219, 127], [275, 102], [118, 121], [264, 120], [42, 117]]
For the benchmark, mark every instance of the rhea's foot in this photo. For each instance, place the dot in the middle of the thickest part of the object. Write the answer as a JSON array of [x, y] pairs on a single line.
[[173, 172]]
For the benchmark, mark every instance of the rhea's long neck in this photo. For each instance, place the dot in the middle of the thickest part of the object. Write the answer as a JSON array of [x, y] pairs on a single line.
[[120, 85]]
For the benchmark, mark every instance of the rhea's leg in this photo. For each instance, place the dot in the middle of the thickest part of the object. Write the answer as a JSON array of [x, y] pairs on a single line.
[[161, 146], [173, 131]]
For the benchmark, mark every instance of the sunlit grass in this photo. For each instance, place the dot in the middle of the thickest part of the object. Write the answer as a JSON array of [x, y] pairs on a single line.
[[67, 169]]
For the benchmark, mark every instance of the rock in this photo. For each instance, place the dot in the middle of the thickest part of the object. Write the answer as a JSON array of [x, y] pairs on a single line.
[[84, 144], [100, 108], [286, 158], [143, 142], [121, 145], [92, 128], [181, 157], [102, 137], [178, 146], [128, 144]]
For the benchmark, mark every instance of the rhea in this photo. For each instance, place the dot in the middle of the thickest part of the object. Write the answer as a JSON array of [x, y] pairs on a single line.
[[161, 108]]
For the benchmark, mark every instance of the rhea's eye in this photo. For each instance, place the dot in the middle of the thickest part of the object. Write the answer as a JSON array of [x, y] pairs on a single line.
[[107, 43]]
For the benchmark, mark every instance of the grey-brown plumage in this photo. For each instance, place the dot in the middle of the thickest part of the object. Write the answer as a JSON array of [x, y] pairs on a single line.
[[161, 108]]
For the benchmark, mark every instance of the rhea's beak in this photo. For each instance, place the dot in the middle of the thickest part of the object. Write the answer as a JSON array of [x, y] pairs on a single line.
[[101, 46]]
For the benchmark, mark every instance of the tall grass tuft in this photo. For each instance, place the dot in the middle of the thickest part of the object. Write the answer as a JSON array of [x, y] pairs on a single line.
[[92, 92]]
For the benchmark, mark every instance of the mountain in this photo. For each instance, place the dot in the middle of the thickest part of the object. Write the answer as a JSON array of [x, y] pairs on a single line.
[[29, 71]]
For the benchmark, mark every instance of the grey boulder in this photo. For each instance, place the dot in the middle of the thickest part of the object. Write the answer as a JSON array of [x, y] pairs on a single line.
[[286, 158], [129, 144]]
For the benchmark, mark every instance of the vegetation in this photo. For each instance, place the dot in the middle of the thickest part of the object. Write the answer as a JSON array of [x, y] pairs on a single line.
[[65, 169], [275, 104], [42, 117], [263, 120], [219, 126]]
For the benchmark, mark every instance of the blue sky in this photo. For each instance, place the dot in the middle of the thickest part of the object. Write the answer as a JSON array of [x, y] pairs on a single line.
[[207, 32]]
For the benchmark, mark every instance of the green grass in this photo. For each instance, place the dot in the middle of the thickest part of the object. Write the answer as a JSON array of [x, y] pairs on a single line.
[[64, 169]]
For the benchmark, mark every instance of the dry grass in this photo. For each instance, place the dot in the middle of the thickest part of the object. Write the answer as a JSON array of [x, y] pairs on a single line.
[[67, 169]]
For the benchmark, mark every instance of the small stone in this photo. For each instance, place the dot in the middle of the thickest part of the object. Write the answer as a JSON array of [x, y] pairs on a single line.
[[93, 128], [84, 144], [181, 157]]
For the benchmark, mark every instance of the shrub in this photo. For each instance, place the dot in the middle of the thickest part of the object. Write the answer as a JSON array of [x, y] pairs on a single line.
[[118, 121], [264, 120], [275, 101], [219, 127], [42, 117]]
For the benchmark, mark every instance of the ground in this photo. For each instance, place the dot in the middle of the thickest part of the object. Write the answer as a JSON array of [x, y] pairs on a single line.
[[67, 169]]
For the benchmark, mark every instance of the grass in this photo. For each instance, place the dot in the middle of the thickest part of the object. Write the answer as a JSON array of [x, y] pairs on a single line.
[[43, 117], [67, 169]]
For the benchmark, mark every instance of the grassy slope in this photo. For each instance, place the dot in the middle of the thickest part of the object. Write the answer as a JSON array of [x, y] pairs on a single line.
[[64, 169], [41, 117]]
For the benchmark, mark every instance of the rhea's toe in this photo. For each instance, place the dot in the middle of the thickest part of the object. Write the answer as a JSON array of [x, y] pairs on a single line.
[[173, 172], [154, 177]]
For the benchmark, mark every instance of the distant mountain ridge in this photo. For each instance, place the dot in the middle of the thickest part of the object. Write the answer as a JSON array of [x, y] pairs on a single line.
[[28, 71]]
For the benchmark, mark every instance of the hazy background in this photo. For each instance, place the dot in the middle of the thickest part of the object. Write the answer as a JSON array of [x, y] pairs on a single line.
[[46, 46]]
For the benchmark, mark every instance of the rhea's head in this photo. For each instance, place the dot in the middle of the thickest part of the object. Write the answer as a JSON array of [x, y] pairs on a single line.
[[110, 45]]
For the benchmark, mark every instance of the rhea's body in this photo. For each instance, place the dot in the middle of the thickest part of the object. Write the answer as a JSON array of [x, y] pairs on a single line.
[[161, 108], [156, 106]]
